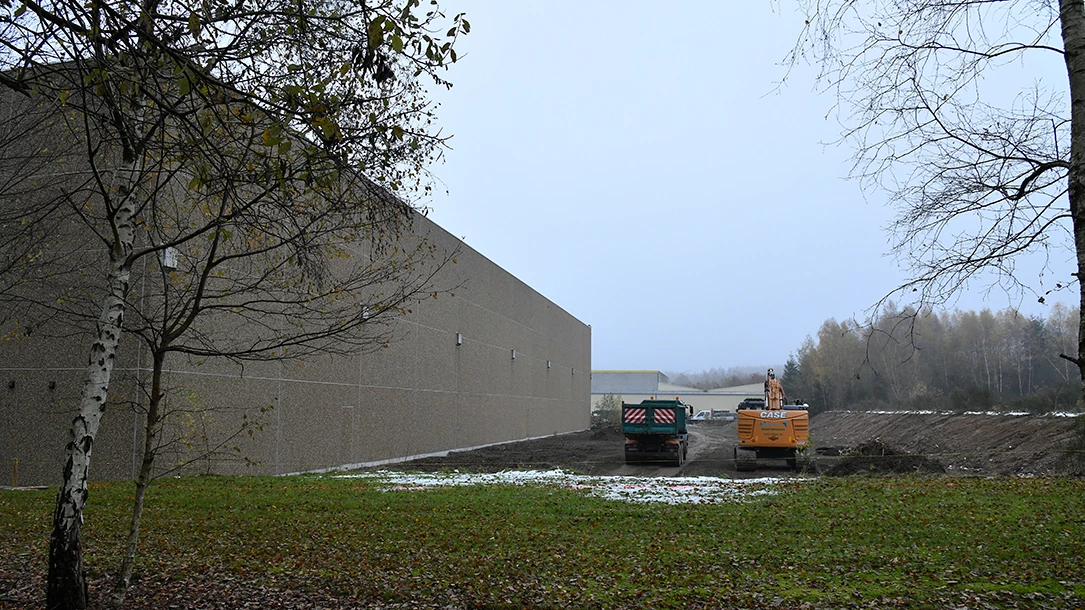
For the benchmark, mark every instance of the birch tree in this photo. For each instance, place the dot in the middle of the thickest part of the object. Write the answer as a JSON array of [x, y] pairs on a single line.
[[331, 87], [980, 175], [259, 288]]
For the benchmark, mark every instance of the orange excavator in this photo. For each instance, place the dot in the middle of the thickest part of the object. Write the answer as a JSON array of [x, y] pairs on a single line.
[[771, 429]]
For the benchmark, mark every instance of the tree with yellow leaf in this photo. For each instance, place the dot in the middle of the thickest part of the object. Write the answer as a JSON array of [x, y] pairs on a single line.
[[252, 143]]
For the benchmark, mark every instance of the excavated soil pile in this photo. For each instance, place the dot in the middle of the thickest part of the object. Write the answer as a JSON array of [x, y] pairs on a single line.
[[876, 457], [987, 444]]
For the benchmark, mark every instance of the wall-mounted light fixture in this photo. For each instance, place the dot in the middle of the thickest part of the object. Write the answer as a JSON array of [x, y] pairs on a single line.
[[514, 354], [459, 339], [52, 385], [11, 384], [169, 258], [547, 364]]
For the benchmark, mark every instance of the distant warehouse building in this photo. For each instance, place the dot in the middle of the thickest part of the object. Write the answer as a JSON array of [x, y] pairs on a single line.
[[637, 385]]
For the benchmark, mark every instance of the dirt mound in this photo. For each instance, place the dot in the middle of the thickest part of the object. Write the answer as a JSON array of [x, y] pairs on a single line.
[[983, 444], [876, 457]]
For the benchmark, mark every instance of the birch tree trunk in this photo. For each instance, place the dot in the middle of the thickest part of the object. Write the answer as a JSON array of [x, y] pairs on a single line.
[[66, 588], [1072, 18], [143, 480]]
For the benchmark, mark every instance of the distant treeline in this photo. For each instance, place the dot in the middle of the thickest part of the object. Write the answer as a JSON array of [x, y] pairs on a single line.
[[720, 377], [954, 361]]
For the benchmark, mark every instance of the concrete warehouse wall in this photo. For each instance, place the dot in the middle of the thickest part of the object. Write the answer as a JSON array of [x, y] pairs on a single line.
[[422, 394]]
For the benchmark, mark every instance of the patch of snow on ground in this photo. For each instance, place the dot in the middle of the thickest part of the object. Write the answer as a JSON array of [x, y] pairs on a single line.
[[674, 490]]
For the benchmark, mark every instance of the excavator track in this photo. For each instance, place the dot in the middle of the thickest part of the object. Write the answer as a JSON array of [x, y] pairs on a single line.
[[745, 459]]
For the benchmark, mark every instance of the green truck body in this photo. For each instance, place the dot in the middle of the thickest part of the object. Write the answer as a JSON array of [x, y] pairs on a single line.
[[655, 431]]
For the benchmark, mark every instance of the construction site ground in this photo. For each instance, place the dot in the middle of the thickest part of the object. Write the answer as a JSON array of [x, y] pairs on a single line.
[[846, 443]]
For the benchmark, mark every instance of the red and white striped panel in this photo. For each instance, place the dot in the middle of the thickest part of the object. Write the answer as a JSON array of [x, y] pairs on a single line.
[[634, 416], [664, 416]]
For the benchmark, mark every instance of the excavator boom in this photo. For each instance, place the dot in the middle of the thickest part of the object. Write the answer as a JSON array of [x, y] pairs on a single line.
[[774, 392]]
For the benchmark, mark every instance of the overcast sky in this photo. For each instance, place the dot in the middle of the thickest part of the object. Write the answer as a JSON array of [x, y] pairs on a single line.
[[636, 165]]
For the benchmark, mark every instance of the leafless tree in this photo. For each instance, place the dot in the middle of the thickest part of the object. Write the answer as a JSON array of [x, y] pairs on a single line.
[[984, 161]]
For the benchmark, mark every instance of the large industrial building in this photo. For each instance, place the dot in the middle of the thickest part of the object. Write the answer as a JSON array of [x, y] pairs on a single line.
[[497, 362], [489, 362]]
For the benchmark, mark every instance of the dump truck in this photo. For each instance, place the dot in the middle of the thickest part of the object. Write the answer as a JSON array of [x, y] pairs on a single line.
[[772, 429], [655, 431]]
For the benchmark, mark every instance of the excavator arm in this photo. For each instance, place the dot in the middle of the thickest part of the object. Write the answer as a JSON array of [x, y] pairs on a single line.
[[774, 392]]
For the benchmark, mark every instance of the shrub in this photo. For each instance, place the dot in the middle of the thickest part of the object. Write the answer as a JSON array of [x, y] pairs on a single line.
[[1062, 397]]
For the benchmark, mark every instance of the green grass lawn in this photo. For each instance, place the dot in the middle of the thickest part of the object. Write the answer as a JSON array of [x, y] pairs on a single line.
[[881, 542]]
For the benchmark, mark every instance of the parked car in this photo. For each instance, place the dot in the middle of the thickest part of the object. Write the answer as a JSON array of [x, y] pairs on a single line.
[[702, 415], [721, 415]]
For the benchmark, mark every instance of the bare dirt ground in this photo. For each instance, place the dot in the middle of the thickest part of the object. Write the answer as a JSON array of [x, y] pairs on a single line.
[[956, 444], [964, 444], [599, 451]]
